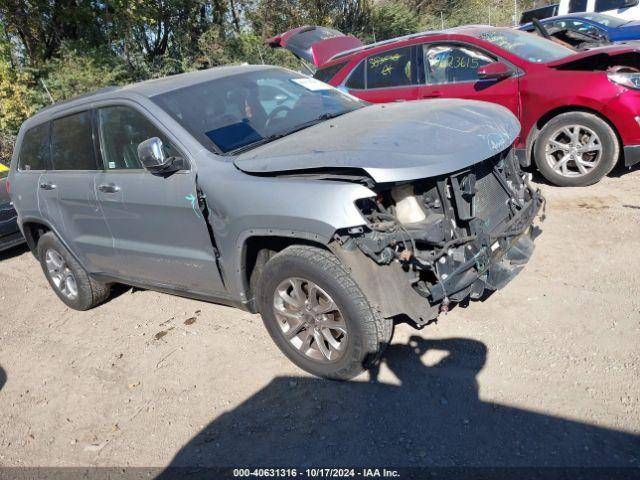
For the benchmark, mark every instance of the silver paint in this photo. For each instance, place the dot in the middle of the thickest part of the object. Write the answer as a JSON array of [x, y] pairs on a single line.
[[148, 231]]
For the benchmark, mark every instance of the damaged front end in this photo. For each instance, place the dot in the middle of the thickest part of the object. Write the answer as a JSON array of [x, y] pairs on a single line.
[[448, 238]]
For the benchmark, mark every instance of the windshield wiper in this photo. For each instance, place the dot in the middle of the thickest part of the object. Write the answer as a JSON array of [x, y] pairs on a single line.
[[256, 144], [297, 128]]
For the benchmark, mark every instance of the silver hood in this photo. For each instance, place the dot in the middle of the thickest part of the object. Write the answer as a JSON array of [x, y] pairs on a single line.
[[393, 142]]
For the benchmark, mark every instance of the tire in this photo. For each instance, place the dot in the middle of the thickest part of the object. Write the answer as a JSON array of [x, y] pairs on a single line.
[[366, 333], [87, 292], [589, 125]]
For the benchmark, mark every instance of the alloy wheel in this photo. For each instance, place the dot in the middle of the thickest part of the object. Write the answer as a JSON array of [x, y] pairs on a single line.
[[310, 319], [573, 151], [60, 274]]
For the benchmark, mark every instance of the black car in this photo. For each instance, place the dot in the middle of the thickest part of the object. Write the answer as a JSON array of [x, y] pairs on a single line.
[[10, 235]]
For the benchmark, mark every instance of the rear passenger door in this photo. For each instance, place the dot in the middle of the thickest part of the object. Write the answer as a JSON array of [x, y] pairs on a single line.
[[389, 76], [159, 234], [69, 194]]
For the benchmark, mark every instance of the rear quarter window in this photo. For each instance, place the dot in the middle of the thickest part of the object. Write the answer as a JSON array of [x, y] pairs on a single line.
[[34, 151], [356, 79], [327, 73], [72, 143]]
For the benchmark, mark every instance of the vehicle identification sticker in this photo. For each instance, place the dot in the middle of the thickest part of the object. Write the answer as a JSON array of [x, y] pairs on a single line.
[[311, 84], [112, 164]]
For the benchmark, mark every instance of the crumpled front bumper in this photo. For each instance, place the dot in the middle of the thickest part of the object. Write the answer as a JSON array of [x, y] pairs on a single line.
[[492, 267], [388, 286]]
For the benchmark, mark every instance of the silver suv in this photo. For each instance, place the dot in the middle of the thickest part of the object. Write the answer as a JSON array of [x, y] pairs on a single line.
[[264, 189]]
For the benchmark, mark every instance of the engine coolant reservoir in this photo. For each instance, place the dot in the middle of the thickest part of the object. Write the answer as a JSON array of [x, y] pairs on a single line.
[[407, 207]]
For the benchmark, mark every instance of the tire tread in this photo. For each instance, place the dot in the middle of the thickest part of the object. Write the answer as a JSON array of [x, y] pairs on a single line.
[[91, 293], [377, 330]]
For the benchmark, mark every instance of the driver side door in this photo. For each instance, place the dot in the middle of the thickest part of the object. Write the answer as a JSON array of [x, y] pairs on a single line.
[[450, 70], [160, 235]]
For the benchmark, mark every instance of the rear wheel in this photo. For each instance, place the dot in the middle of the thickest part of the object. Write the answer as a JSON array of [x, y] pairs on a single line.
[[318, 316], [69, 280], [576, 149]]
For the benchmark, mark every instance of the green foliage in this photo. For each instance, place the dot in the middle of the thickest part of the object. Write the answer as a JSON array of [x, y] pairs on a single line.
[[389, 20], [19, 97], [77, 46], [74, 72]]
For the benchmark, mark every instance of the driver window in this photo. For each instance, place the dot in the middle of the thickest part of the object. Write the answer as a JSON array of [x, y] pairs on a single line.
[[121, 130], [584, 27], [452, 63], [559, 24], [605, 5]]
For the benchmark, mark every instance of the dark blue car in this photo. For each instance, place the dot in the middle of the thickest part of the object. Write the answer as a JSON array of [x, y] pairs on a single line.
[[602, 28]]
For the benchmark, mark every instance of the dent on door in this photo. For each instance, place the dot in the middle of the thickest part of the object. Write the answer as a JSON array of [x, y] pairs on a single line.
[[160, 233]]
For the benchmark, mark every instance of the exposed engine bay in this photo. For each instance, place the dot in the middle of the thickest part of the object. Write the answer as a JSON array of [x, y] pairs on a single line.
[[449, 237]]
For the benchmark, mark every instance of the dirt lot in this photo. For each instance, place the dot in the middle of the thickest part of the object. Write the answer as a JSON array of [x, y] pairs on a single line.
[[545, 372]]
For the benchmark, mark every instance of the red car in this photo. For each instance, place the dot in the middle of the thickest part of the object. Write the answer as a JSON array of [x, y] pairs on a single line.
[[579, 111]]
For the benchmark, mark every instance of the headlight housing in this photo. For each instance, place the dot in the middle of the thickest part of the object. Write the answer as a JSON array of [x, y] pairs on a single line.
[[626, 79]]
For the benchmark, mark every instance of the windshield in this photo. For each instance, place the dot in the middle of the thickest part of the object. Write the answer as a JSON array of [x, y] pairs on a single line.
[[606, 20], [526, 45], [239, 111]]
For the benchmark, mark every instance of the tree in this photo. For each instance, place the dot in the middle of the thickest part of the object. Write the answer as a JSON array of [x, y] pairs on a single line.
[[41, 26]]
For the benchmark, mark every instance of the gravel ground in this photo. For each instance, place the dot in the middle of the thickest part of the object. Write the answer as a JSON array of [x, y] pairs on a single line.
[[544, 372]]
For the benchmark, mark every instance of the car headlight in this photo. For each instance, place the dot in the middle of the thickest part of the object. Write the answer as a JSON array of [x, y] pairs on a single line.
[[626, 79]]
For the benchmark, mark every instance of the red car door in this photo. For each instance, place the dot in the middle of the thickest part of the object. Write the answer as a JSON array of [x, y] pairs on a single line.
[[450, 70], [387, 76]]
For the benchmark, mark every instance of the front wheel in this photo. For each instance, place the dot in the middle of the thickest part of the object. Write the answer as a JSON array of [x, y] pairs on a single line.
[[318, 316], [576, 149]]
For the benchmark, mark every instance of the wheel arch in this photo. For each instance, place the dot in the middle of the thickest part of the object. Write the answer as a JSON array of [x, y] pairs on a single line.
[[537, 127], [32, 230], [257, 247]]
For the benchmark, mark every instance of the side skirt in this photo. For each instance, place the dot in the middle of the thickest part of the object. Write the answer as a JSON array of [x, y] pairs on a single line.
[[219, 299]]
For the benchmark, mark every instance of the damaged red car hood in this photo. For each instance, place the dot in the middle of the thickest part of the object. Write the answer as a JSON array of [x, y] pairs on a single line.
[[606, 51]]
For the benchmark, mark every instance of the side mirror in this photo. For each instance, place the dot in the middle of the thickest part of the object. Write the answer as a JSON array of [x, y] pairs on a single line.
[[494, 71], [153, 158]]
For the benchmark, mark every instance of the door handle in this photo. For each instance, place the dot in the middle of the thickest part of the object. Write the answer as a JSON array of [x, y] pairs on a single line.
[[432, 95], [109, 188], [47, 186]]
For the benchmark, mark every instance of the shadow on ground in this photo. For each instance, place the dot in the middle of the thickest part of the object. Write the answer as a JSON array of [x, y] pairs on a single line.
[[13, 252], [3, 378], [434, 417]]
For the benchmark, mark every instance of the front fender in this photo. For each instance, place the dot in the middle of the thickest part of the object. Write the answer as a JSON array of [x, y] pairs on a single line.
[[241, 206]]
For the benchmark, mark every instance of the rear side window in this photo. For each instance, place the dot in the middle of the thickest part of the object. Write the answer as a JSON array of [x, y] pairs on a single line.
[[327, 73], [356, 79], [34, 153], [389, 69], [72, 143], [578, 6], [122, 129], [604, 5]]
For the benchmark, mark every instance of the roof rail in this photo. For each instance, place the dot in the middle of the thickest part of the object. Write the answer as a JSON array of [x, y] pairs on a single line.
[[79, 97]]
